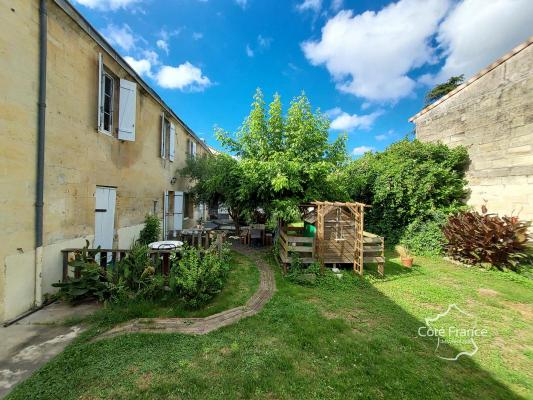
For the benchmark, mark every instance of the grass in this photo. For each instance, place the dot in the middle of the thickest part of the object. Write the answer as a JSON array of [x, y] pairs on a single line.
[[349, 338]]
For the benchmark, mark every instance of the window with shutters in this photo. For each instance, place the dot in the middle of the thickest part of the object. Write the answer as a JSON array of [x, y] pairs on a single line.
[[191, 148], [168, 138]]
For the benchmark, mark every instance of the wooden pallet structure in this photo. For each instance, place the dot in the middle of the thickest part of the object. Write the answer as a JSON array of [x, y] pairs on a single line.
[[339, 237]]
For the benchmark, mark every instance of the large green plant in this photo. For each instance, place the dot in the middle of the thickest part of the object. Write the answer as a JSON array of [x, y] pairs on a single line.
[[92, 281], [151, 230], [199, 275], [406, 182]]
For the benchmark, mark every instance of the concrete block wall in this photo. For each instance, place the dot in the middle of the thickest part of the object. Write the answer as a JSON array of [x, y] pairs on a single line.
[[493, 117]]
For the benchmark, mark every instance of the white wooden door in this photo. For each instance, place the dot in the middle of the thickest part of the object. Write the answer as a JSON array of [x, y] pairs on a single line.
[[104, 220]]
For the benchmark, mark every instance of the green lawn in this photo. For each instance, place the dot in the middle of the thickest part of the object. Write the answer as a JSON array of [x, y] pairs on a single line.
[[355, 338]]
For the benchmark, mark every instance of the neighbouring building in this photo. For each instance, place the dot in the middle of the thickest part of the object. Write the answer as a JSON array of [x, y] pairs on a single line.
[[111, 149], [492, 116]]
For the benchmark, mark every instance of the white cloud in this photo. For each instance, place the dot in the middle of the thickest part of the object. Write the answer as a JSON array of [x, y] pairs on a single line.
[[336, 5], [358, 151], [105, 5], [143, 66], [333, 112], [478, 32], [310, 5], [242, 3], [163, 45], [342, 121], [370, 54], [183, 77], [249, 51], [197, 35], [120, 36], [384, 136], [264, 42]]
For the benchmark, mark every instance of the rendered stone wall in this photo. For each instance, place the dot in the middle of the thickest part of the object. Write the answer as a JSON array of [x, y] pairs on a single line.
[[493, 118], [77, 157]]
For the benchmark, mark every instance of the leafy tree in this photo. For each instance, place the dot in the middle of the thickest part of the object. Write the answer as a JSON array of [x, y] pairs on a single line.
[[286, 160], [218, 179], [444, 88]]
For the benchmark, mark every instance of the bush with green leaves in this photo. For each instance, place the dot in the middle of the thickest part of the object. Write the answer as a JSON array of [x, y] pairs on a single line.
[[151, 231], [92, 281], [406, 182], [477, 238], [424, 237], [198, 275], [303, 275], [138, 273]]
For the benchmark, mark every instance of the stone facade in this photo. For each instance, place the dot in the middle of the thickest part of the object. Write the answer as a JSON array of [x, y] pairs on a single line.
[[492, 116], [78, 157]]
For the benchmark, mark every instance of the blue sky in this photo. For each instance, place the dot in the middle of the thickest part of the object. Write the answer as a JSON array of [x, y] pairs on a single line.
[[367, 63]]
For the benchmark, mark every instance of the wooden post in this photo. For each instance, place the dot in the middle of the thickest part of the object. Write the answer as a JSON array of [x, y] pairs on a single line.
[[166, 267], [65, 265]]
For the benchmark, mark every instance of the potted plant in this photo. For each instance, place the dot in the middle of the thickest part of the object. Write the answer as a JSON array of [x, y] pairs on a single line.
[[405, 255]]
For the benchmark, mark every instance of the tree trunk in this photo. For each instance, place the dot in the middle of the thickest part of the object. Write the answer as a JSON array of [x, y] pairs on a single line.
[[234, 214]]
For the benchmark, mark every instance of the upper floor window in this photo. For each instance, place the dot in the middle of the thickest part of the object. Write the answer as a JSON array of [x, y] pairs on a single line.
[[191, 148], [168, 138], [127, 104]]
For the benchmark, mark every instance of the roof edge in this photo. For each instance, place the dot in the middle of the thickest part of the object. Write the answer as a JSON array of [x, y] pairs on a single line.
[[86, 26], [474, 78]]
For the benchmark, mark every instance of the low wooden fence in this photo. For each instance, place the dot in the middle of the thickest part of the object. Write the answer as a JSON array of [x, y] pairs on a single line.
[[112, 256], [291, 243]]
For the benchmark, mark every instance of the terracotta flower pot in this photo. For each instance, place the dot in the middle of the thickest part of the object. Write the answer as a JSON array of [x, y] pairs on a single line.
[[407, 261]]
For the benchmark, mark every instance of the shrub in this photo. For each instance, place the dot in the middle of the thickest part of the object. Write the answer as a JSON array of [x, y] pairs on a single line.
[[475, 238], [199, 275], [301, 275], [151, 231], [424, 237], [138, 275], [92, 282], [407, 181]]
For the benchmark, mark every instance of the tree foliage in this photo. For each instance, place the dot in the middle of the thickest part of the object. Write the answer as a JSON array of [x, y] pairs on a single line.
[[407, 181], [281, 161], [443, 89]]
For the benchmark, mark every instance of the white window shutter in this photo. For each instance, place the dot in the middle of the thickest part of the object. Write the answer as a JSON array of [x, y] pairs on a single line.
[[178, 211], [100, 76], [194, 149], [127, 110], [171, 145], [163, 136]]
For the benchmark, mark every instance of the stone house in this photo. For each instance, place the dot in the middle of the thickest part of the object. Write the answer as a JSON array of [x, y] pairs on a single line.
[[492, 116], [87, 149]]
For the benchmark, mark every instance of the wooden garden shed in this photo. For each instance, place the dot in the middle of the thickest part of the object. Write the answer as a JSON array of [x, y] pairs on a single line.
[[332, 233]]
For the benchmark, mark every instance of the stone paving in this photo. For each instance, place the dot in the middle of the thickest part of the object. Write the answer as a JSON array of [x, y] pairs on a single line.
[[199, 326], [33, 341]]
